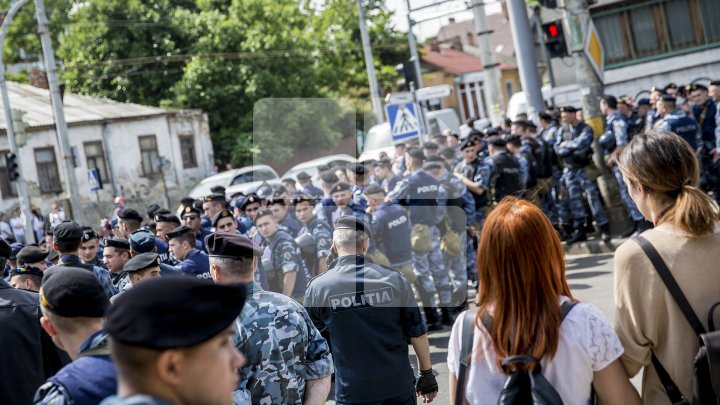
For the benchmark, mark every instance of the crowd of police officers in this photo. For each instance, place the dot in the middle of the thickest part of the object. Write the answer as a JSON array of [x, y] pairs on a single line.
[[332, 266]]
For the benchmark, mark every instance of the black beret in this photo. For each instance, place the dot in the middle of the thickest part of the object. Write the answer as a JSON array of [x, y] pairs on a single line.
[[167, 218], [357, 168], [264, 191], [117, 243], [142, 261], [544, 116], [73, 292], [432, 165], [263, 212], [715, 83], [696, 86], [354, 223], [338, 187], [303, 176], [667, 98], [373, 189], [214, 198], [220, 215], [152, 209], [218, 190], [186, 313], [190, 210], [467, 144], [5, 249], [31, 254], [289, 180], [198, 205], [187, 201], [330, 178], [276, 200], [322, 168], [643, 101], [251, 199], [231, 245], [179, 231], [568, 109], [496, 141], [68, 231], [89, 234], [299, 198], [52, 255], [26, 270], [130, 214]]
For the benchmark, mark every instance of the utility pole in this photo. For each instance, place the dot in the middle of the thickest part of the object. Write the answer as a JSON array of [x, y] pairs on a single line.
[[20, 183], [369, 65], [413, 48], [490, 67], [537, 24], [525, 53], [577, 18], [61, 127]]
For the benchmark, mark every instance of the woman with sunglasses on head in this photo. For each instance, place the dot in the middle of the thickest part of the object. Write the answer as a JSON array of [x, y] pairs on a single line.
[[661, 172], [526, 308]]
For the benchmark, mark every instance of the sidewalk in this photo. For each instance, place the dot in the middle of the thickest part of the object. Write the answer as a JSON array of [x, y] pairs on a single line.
[[593, 246]]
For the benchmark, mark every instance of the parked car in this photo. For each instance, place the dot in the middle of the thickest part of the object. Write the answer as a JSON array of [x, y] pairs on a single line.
[[244, 178], [310, 167]]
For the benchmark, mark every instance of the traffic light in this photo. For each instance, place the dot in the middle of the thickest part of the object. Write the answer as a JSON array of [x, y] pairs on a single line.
[[407, 70], [548, 3], [555, 39], [11, 166]]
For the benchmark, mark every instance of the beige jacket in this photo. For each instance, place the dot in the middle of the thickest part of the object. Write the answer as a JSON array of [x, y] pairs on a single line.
[[647, 318]]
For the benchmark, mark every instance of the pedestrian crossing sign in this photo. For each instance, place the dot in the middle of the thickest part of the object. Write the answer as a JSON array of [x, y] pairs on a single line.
[[404, 121], [94, 179]]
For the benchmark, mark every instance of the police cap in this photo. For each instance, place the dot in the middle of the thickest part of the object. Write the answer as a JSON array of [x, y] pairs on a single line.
[[231, 245], [190, 211], [568, 109], [130, 214], [467, 144], [89, 234], [26, 270], [73, 292], [321, 169], [118, 243], [276, 200], [5, 249], [496, 140], [52, 255], [68, 231], [142, 261], [715, 83], [148, 315], [545, 116], [338, 187], [214, 198], [303, 176], [643, 101], [251, 199], [329, 178], [264, 191], [31, 254], [666, 98], [357, 168], [159, 218], [187, 201], [354, 223], [696, 86], [152, 209], [263, 212], [218, 190], [179, 231], [373, 189], [300, 198], [289, 180], [220, 215], [142, 241]]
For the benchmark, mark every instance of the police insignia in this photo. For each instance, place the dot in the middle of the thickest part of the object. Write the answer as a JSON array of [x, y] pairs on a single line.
[[188, 209], [287, 256]]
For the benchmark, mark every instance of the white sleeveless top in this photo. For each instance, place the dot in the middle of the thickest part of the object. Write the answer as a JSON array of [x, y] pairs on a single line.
[[587, 344]]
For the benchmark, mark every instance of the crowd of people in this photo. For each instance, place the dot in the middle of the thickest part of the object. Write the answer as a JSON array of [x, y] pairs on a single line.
[[265, 298]]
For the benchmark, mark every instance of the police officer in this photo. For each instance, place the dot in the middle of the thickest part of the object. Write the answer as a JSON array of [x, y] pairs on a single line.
[[505, 177], [115, 254], [142, 241], [73, 305], [285, 220], [287, 361], [213, 204], [306, 186], [653, 115], [616, 137], [247, 208], [192, 260], [704, 111], [359, 177], [191, 218], [224, 222], [316, 248], [282, 269], [419, 191], [638, 116], [357, 301], [26, 277], [674, 119], [67, 239], [140, 268], [574, 147], [525, 160], [475, 174], [340, 204], [175, 359], [90, 250], [130, 221]]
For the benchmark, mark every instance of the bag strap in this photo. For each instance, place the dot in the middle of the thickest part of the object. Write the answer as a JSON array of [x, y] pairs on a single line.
[[466, 342], [671, 389]]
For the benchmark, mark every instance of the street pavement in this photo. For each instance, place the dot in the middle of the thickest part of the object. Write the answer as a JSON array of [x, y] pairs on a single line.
[[591, 280]]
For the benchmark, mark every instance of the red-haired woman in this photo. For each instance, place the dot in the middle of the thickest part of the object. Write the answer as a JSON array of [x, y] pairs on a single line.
[[521, 267]]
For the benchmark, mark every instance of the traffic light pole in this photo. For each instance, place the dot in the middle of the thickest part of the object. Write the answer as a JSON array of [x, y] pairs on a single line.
[[369, 65], [20, 183], [413, 48]]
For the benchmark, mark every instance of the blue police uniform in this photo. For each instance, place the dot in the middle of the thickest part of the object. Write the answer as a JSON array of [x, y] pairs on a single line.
[[86, 381], [459, 206], [135, 400], [573, 146], [391, 230], [683, 125], [330, 212], [479, 171], [168, 270], [419, 191], [200, 238], [358, 197], [162, 249], [322, 241], [357, 301], [196, 264], [281, 256], [291, 225], [100, 273], [205, 222], [312, 191], [705, 116], [651, 119], [247, 224], [616, 126]]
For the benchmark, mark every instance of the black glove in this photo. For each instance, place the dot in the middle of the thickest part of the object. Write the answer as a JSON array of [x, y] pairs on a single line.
[[426, 383]]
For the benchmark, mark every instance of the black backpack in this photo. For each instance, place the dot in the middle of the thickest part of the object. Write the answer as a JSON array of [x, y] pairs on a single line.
[[706, 379], [522, 387]]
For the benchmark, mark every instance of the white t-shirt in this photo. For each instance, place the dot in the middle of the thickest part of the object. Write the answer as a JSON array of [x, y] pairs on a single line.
[[587, 344]]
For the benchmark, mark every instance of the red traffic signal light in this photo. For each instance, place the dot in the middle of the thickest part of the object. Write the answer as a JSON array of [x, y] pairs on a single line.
[[555, 39], [553, 30]]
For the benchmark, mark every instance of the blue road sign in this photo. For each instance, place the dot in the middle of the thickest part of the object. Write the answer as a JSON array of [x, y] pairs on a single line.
[[94, 179], [403, 120]]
